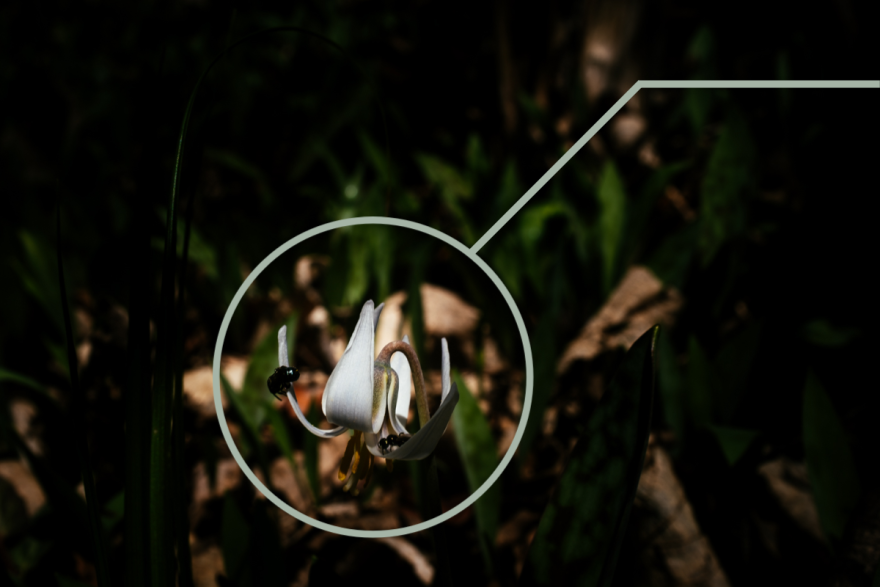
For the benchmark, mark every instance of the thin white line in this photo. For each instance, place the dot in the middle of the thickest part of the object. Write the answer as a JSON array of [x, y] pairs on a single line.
[[664, 84]]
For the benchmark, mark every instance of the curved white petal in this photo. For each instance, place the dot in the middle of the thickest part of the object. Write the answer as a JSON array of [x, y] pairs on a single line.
[[283, 356], [398, 406], [311, 428], [444, 368], [376, 314], [348, 396], [425, 440]]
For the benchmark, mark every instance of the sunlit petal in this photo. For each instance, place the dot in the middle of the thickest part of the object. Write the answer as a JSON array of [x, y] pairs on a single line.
[[398, 406], [348, 395], [311, 428], [376, 314], [425, 440], [283, 356], [284, 361], [444, 368], [384, 385]]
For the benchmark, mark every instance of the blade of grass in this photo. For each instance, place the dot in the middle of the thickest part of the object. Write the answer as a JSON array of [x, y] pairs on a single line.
[[581, 531], [612, 221], [478, 453], [161, 454], [179, 498], [79, 433]]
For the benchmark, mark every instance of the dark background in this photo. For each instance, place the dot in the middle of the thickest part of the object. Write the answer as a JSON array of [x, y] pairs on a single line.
[[445, 113]]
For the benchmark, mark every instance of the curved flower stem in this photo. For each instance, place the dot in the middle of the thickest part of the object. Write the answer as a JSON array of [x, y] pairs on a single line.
[[418, 377]]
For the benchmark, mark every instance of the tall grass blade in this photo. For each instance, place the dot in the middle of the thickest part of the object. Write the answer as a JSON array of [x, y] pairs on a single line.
[[180, 497], [79, 432]]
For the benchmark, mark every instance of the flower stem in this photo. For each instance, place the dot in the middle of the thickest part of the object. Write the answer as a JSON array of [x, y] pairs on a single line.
[[418, 377]]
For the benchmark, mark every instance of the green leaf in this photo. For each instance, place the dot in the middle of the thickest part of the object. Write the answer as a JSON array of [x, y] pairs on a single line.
[[38, 277], [672, 259], [7, 375], [453, 189], [823, 333], [733, 441], [534, 219], [114, 511], [234, 538], [612, 219], [254, 391], [250, 429], [28, 553], [727, 179], [830, 462], [479, 455], [580, 533]]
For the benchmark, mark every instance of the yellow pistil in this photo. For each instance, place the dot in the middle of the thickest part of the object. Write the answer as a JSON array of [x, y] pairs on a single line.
[[349, 453], [361, 468]]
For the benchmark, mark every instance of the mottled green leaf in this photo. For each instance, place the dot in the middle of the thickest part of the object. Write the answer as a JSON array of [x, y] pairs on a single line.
[[478, 453], [580, 533], [830, 462]]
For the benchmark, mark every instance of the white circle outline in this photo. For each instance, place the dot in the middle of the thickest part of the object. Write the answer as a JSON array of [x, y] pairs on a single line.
[[520, 429]]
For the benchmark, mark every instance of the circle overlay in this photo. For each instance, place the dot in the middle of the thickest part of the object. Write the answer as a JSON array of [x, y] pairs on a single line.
[[520, 430]]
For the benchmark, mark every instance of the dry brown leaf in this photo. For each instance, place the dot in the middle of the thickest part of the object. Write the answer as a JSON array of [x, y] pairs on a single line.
[[639, 302]]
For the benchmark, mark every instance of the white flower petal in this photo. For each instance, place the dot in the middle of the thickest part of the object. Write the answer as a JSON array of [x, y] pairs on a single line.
[[283, 356], [372, 442], [425, 440], [376, 314], [444, 368], [311, 428], [348, 396], [398, 406]]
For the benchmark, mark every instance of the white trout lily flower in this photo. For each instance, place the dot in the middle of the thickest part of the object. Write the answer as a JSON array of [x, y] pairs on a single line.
[[371, 397]]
